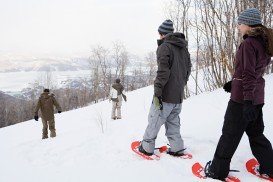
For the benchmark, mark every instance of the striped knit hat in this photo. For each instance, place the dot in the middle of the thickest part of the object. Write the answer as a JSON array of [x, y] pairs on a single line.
[[251, 16], [166, 27]]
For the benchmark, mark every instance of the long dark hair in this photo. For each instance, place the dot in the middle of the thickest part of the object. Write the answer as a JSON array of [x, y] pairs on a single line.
[[268, 39]]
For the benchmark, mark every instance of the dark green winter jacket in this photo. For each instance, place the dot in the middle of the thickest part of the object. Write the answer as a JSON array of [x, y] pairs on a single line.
[[174, 68], [46, 103], [118, 87]]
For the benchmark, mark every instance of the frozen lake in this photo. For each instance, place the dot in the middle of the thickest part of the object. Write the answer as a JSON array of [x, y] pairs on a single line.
[[16, 81]]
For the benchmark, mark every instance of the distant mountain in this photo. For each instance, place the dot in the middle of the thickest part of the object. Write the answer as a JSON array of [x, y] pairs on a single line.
[[43, 64], [9, 108], [6, 97]]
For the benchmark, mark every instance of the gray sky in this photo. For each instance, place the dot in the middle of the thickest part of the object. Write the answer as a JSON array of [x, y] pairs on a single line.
[[69, 28]]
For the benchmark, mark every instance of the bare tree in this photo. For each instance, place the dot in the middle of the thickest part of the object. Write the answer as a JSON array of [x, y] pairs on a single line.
[[101, 71], [215, 30], [121, 60], [178, 10], [150, 61], [124, 64], [48, 80], [95, 78]]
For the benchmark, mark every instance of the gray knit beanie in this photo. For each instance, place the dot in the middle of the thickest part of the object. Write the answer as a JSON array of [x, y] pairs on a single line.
[[251, 16], [166, 27]]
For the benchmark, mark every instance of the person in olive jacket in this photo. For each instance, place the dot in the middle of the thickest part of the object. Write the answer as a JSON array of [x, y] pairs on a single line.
[[244, 111], [46, 103], [174, 68]]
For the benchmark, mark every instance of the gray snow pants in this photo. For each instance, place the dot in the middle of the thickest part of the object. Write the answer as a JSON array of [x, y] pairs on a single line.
[[169, 116]]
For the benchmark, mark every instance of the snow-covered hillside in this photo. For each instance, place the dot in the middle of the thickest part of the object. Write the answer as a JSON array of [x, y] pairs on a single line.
[[84, 151]]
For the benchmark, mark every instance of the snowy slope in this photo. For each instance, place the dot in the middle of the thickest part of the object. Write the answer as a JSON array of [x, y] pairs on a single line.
[[82, 152]]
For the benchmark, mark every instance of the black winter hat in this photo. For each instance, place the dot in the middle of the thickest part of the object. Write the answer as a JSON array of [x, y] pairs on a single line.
[[46, 90], [117, 80]]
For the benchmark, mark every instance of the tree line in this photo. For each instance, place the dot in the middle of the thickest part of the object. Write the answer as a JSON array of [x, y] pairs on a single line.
[[105, 66], [211, 26]]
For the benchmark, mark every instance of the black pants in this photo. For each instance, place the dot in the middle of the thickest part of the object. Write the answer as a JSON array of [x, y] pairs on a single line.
[[232, 132]]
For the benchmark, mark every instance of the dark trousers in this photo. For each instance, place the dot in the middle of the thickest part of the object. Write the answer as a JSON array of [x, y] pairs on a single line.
[[232, 132]]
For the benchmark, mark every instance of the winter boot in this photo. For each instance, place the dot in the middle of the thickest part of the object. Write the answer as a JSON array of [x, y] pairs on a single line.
[[114, 118], [53, 134], [176, 154], [211, 174], [263, 173], [44, 137], [141, 149]]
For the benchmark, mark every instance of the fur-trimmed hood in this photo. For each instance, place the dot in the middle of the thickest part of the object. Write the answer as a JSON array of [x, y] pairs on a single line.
[[266, 35]]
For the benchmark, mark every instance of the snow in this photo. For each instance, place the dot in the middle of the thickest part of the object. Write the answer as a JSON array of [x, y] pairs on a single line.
[[85, 151]]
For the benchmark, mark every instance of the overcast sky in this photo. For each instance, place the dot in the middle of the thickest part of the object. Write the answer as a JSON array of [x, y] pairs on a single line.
[[69, 28]]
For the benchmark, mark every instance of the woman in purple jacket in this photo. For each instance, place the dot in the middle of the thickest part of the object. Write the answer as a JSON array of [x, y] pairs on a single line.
[[244, 111]]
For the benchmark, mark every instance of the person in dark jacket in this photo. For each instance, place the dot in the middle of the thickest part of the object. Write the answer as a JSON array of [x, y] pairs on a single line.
[[116, 95], [244, 111], [46, 103], [174, 68]]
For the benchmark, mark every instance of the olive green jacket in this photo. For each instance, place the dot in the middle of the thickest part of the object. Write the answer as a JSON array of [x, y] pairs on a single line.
[[46, 103]]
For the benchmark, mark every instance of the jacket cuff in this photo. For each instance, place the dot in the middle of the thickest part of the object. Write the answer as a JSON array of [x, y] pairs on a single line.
[[157, 92]]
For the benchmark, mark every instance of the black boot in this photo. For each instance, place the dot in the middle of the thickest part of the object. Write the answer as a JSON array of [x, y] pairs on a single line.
[[263, 173], [210, 174], [176, 154], [141, 149]]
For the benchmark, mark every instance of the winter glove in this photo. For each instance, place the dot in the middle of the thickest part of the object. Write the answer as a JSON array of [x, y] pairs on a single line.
[[249, 110], [227, 86], [59, 112], [124, 97], [188, 76], [158, 102], [36, 118]]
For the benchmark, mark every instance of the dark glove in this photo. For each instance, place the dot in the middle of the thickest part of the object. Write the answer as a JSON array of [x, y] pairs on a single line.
[[59, 111], [227, 86], [158, 102], [36, 118], [124, 97], [249, 110]]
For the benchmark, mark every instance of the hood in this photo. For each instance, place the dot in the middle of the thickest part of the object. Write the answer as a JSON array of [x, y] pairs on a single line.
[[117, 86], [46, 95], [265, 34], [255, 32], [177, 39]]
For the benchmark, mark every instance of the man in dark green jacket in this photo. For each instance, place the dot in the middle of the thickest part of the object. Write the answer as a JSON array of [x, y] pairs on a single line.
[[46, 103], [174, 68]]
